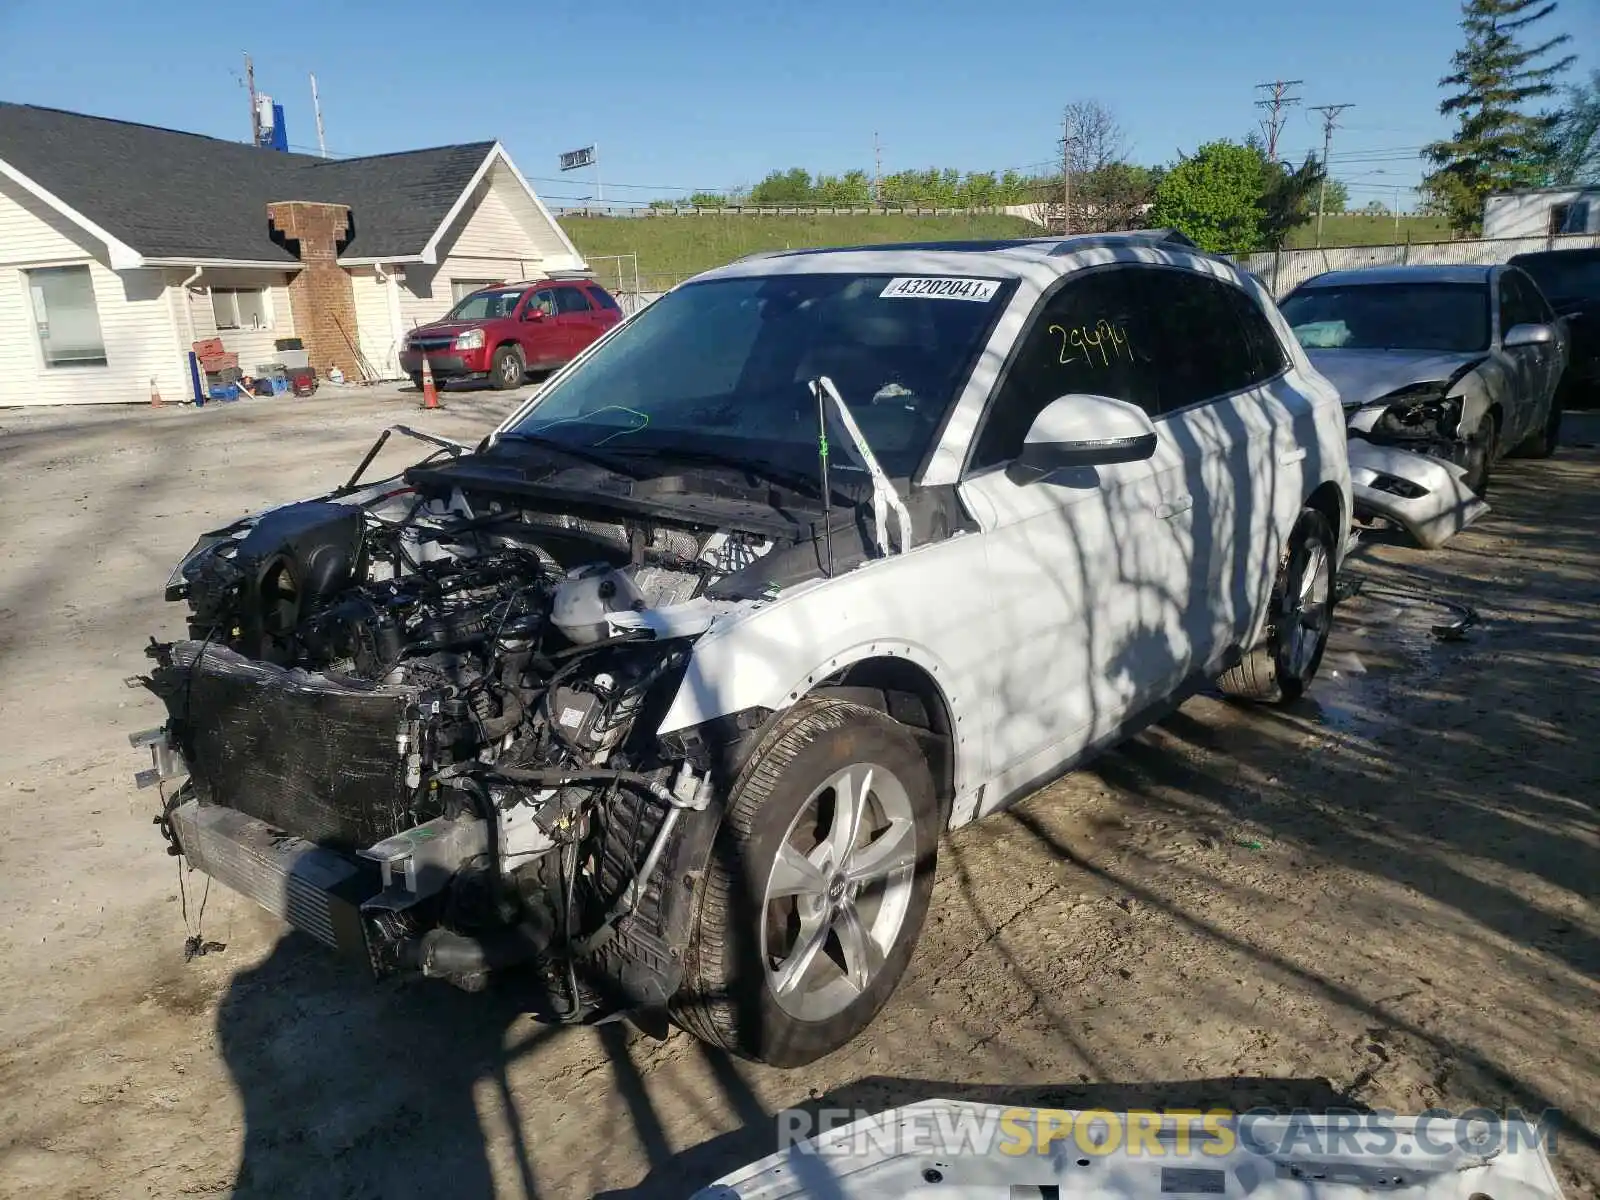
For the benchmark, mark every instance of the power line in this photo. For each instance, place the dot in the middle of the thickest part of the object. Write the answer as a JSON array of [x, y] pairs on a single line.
[[1276, 103], [1330, 115]]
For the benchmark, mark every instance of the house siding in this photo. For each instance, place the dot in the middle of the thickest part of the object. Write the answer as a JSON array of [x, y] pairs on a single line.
[[501, 234], [134, 307], [255, 347], [374, 325]]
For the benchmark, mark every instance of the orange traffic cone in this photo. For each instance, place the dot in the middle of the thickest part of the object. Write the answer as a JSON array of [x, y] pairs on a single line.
[[155, 395], [430, 395]]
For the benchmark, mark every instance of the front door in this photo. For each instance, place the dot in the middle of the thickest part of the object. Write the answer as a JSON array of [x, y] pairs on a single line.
[[1088, 569], [1532, 367], [543, 341]]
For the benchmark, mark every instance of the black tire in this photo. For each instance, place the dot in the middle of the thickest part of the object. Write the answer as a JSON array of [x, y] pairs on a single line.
[[1543, 444], [416, 380], [507, 370], [1268, 673], [1481, 453], [726, 999]]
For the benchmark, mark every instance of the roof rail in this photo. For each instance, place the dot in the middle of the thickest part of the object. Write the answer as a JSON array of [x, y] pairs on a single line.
[[1071, 244]]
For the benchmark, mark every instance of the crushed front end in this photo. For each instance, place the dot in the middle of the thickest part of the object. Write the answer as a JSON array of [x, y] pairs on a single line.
[[420, 726]]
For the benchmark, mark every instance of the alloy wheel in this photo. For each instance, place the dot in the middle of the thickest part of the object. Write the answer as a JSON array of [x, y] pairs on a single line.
[[836, 900]]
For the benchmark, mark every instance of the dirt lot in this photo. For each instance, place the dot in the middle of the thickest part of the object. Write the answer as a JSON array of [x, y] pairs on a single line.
[[1385, 897]]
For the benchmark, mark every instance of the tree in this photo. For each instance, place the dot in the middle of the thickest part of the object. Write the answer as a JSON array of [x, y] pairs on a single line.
[[1338, 197], [1092, 141], [783, 187], [1288, 196], [1577, 136], [708, 200], [1375, 208], [1497, 145]]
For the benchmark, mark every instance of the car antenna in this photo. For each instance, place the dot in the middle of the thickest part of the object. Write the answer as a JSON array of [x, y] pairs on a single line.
[[827, 492]]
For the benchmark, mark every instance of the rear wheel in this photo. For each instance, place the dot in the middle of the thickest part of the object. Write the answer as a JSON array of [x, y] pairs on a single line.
[[507, 369], [1279, 670], [817, 888], [1543, 443], [416, 380]]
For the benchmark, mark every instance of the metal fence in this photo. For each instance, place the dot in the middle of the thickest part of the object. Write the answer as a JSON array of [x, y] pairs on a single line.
[[1285, 270]]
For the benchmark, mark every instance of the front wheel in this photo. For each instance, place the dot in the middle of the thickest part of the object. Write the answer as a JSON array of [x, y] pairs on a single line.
[[817, 887], [507, 370], [1481, 450], [1279, 670]]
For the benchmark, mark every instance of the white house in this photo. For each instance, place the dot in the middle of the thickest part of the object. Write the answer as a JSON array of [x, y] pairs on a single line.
[[1542, 212], [121, 245]]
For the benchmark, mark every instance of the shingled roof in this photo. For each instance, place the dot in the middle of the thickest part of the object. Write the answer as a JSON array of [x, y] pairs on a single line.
[[173, 195]]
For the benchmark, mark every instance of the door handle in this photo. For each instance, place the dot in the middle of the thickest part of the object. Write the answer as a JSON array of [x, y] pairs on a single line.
[[1178, 505], [1289, 457]]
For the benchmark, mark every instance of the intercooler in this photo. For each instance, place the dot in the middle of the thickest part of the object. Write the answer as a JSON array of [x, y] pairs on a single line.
[[323, 759]]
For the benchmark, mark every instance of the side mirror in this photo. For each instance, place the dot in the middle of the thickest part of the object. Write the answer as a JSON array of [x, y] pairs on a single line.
[[1083, 431], [1529, 335], [533, 314]]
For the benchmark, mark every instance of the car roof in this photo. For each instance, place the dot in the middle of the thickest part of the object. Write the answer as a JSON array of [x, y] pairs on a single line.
[[1571, 254], [1440, 273], [1002, 257]]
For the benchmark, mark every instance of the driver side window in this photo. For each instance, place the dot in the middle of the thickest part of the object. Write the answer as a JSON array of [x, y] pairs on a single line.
[[544, 300], [1093, 336]]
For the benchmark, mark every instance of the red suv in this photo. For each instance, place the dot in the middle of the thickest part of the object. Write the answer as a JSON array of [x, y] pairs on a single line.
[[500, 333]]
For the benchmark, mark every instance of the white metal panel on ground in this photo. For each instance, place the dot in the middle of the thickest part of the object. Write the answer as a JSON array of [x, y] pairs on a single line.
[[132, 307]]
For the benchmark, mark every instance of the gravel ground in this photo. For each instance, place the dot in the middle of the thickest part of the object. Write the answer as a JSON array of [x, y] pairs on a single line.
[[1382, 897]]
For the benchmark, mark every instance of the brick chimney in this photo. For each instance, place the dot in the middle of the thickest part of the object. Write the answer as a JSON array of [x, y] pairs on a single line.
[[320, 296]]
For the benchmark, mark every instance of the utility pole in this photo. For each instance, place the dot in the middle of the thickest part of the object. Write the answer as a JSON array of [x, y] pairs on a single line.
[[1330, 114], [877, 169], [255, 117], [316, 106], [1276, 102], [1066, 170]]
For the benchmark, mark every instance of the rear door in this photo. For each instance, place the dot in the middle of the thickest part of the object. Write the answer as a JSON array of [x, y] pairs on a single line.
[[578, 321], [607, 310]]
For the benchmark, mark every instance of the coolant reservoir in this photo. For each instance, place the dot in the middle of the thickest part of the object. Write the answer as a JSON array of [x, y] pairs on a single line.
[[586, 595]]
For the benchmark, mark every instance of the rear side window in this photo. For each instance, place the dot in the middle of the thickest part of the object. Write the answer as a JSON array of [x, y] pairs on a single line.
[[1202, 348], [571, 300], [602, 298], [1263, 351]]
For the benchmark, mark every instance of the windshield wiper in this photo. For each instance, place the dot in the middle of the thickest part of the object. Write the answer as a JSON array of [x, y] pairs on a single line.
[[606, 462], [798, 481]]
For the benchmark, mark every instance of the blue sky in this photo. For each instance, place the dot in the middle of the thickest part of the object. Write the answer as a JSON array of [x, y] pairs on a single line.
[[714, 93]]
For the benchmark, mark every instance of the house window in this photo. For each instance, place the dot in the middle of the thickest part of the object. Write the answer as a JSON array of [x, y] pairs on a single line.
[[65, 318], [1558, 217], [241, 308], [460, 289]]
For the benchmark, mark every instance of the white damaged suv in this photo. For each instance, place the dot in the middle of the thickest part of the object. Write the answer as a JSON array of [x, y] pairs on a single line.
[[664, 694]]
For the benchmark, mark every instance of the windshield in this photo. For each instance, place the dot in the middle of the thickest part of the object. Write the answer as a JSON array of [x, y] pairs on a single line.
[[1563, 278], [1447, 317], [722, 367], [480, 306]]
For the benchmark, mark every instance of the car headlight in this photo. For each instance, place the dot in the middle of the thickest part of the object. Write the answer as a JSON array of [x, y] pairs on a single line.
[[1419, 411], [472, 339]]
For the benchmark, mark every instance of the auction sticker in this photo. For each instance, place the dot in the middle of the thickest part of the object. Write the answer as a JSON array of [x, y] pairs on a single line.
[[941, 288]]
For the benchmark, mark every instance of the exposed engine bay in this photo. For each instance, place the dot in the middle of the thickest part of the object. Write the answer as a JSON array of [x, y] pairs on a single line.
[[419, 722]]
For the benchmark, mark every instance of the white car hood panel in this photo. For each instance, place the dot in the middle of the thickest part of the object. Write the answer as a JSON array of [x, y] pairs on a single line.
[[860, 1162], [1362, 376]]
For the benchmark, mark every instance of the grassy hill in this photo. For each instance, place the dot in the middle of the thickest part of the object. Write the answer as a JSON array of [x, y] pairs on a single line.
[[670, 249], [1358, 229]]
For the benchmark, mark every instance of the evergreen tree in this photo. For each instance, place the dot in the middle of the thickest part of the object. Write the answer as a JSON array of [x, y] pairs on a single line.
[[1497, 145]]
